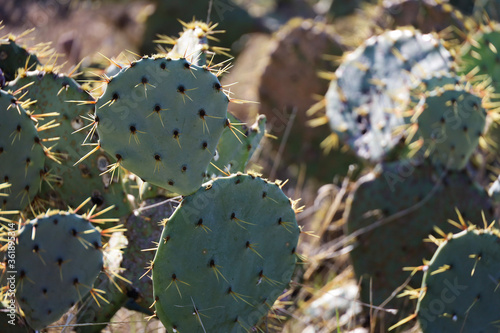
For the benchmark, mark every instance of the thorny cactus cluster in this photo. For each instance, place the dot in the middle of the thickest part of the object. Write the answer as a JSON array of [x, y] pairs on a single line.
[[163, 165], [164, 118]]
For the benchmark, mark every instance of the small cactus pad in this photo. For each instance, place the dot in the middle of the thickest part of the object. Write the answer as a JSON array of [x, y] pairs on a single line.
[[58, 257], [22, 155], [366, 101], [225, 255], [54, 92], [460, 289], [236, 146], [192, 43], [450, 119], [409, 196], [14, 57], [162, 119]]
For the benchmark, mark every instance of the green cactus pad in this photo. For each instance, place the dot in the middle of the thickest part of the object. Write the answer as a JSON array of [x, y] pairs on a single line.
[[235, 149], [162, 119], [22, 155], [192, 43], [479, 54], [226, 254], [460, 289], [366, 101], [58, 257], [14, 57], [59, 93], [396, 188], [450, 119]]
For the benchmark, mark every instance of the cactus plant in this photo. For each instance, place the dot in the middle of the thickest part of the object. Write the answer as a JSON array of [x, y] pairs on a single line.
[[412, 198], [366, 100], [58, 258], [236, 146], [478, 55], [22, 154], [224, 256], [460, 290], [58, 93], [449, 118], [14, 57], [158, 110], [192, 43]]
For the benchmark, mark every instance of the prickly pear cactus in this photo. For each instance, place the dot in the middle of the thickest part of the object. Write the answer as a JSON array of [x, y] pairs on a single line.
[[412, 198], [192, 43], [425, 15], [478, 55], [236, 146], [290, 81], [22, 155], [143, 231], [225, 255], [449, 118], [58, 257], [96, 310], [162, 119], [460, 290], [55, 92], [365, 102], [14, 57]]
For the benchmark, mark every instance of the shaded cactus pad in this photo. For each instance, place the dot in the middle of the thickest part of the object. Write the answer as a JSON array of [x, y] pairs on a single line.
[[58, 259], [22, 155]]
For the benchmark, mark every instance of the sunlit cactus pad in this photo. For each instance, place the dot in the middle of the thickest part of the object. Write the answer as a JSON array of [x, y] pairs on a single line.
[[162, 119], [366, 101], [58, 257]]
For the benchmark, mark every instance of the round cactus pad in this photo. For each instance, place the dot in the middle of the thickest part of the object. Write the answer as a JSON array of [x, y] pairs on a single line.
[[58, 258], [162, 119], [225, 256]]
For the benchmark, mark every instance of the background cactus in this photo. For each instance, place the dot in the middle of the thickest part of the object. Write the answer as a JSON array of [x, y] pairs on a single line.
[[462, 278], [58, 258], [160, 110], [236, 146], [393, 210], [366, 100], [448, 119]]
